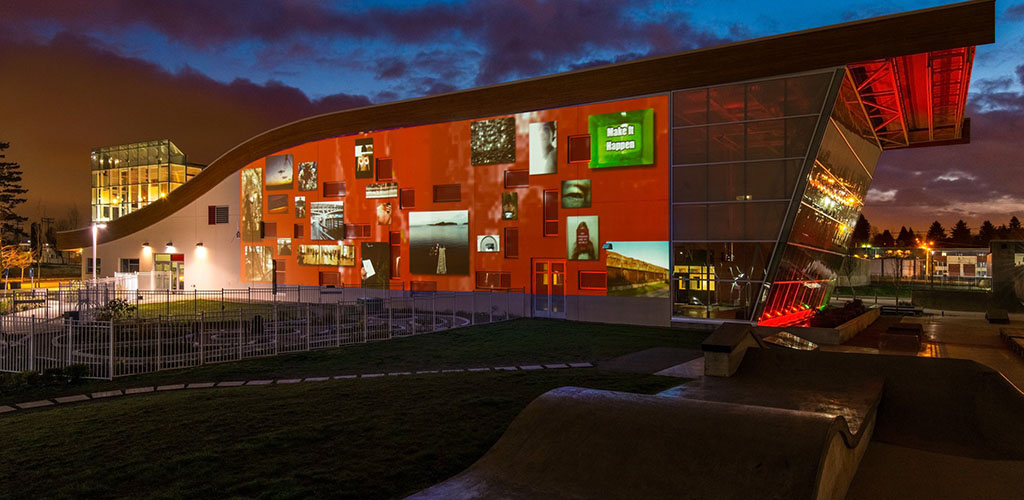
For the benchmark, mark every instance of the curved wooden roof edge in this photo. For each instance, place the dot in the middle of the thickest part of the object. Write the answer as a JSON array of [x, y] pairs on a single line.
[[958, 25]]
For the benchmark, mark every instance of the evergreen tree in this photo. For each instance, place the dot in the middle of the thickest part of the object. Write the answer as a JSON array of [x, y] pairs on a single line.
[[901, 239], [986, 233], [861, 232], [961, 234], [884, 239], [911, 237], [11, 195], [936, 233], [1003, 232], [1016, 232]]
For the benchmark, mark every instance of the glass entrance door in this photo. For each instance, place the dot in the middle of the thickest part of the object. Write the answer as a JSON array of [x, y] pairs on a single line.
[[548, 288], [170, 269]]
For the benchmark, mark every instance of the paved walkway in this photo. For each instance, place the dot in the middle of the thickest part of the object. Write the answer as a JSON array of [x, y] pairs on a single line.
[[65, 400]]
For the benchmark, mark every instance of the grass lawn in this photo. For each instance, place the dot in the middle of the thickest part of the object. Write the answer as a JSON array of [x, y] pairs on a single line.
[[515, 342], [365, 439]]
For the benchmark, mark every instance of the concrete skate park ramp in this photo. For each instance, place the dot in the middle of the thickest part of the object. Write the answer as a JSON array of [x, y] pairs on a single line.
[[581, 443]]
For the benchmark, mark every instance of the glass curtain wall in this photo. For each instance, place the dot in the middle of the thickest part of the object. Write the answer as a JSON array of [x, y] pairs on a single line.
[[832, 199], [737, 155], [128, 177]]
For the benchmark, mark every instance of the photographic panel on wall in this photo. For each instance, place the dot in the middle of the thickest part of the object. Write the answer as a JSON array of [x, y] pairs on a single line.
[[279, 172], [492, 141], [510, 205], [300, 207], [309, 255], [439, 242], [581, 236], [329, 255], [543, 148], [259, 264], [488, 243], [637, 268], [622, 139], [384, 209], [326, 220], [347, 257], [364, 158], [307, 176], [252, 204], [284, 246], [376, 190], [576, 193], [277, 204], [375, 264]]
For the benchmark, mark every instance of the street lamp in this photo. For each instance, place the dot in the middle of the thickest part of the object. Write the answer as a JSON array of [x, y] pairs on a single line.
[[95, 230]]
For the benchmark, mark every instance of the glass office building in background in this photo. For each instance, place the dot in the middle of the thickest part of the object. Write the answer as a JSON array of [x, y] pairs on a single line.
[[128, 177]]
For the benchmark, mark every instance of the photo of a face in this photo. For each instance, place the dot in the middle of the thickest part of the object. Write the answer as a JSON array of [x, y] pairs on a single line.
[[279, 172], [284, 246], [581, 237], [543, 148], [384, 213], [300, 207], [307, 176], [277, 204], [493, 141], [576, 193], [364, 158], [326, 220], [510, 206], [252, 204]]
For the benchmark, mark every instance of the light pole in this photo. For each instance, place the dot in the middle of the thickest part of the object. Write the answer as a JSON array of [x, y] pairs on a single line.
[[95, 231]]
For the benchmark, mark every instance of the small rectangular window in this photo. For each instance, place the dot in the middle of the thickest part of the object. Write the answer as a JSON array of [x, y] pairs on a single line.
[[517, 178], [88, 265], [357, 231], [406, 198], [395, 237], [384, 169], [551, 213], [334, 189], [129, 265], [279, 275], [494, 279], [330, 278], [297, 232], [511, 242], [269, 229], [423, 286], [217, 214], [593, 280], [447, 193], [579, 148]]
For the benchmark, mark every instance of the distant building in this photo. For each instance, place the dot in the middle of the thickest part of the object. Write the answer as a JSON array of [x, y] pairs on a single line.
[[128, 177], [961, 262]]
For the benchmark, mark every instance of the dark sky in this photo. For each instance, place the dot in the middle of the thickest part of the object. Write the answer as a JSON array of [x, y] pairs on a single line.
[[208, 75]]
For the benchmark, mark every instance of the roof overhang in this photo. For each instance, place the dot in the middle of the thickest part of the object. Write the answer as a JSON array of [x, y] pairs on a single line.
[[896, 37]]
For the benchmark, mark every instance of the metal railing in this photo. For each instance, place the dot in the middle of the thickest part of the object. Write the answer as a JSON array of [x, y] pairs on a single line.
[[173, 331]]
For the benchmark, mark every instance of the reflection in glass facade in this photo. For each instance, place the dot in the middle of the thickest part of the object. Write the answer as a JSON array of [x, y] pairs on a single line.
[[738, 152], [832, 198], [128, 177]]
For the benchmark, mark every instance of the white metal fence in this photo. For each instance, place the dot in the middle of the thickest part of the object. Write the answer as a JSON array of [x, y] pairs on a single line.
[[205, 327]]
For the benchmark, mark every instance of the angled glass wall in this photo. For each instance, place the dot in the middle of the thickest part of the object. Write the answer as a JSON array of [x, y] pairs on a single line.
[[738, 152], [832, 197]]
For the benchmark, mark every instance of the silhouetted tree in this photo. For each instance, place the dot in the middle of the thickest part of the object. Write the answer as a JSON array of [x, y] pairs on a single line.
[[986, 233], [11, 195], [961, 234], [861, 232], [936, 233], [884, 239], [1016, 232], [1002, 232], [902, 237]]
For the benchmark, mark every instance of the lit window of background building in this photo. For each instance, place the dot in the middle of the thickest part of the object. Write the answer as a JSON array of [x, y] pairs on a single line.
[[128, 177]]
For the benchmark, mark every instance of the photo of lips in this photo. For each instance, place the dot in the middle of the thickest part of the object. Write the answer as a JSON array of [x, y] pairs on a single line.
[[576, 193]]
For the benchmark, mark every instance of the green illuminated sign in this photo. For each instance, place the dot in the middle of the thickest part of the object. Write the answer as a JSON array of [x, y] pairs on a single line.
[[622, 139]]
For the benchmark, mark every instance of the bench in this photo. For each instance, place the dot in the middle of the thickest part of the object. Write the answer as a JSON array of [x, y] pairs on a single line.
[[997, 316], [725, 347], [902, 310], [1017, 345]]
